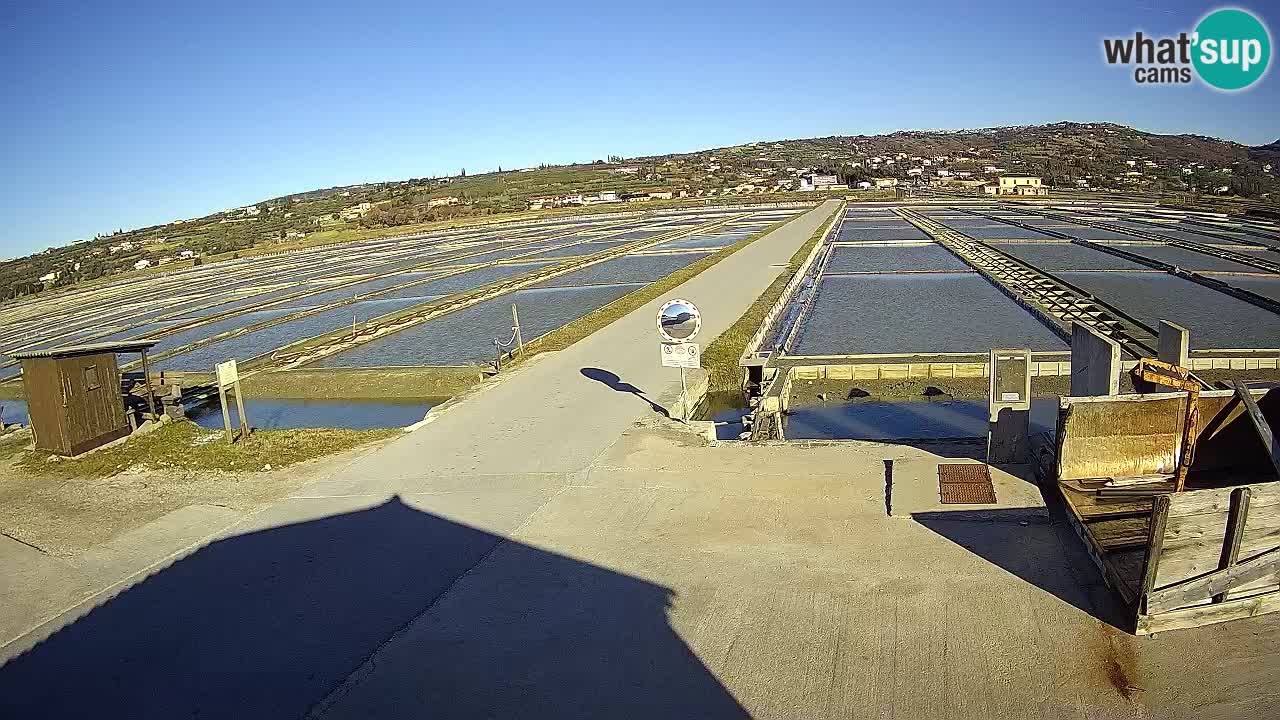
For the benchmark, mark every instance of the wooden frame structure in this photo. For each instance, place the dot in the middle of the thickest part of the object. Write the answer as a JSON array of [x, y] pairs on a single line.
[[1176, 559]]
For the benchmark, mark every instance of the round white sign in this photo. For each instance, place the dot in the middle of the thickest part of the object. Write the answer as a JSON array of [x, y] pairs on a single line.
[[679, 321]]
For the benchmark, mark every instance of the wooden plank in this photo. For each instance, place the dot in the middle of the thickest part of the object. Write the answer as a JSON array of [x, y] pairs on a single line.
[[1234, 609], [1126, 567], [1259, 423], [1235, 532], [226, 416], [1155, 544], [1193, 561], [1213, 583], [244, 419], [1186, 530], [1116, 533], [1219, 499]]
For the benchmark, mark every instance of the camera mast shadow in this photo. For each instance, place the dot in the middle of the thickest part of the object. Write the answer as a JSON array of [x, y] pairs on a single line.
[[616, 384], [268, 623]]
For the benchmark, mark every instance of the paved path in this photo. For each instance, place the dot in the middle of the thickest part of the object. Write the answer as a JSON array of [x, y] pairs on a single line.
[[553, 418]]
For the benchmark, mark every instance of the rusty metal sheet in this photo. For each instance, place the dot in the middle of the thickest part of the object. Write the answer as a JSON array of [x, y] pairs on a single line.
[[967, 493], [964, 473], [965, 484]]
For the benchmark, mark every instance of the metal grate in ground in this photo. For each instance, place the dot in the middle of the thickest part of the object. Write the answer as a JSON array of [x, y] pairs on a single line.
[[965, 484]]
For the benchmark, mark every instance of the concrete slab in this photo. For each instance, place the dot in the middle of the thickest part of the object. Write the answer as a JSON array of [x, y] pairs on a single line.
[[1174, 344], [663, 587], [1095, 362], [915, 490], [48, 593]]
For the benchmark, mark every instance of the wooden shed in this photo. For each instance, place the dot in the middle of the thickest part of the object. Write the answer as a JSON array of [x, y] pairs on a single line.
[[74, 395]]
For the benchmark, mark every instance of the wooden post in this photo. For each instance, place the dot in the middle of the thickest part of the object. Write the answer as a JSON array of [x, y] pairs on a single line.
[[146, 379], [244, 419], [226, 416], [1235, 531], [1259, 423], [1155, 545]]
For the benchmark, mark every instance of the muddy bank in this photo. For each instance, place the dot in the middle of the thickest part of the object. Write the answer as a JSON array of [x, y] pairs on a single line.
[[805, 392], [436, 382]]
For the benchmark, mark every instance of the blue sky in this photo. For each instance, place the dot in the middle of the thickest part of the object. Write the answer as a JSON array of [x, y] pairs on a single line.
[[122, 115]]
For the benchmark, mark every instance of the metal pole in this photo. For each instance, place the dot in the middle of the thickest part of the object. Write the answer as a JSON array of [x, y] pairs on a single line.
[[497, 348], [684, 399], [515, 318]]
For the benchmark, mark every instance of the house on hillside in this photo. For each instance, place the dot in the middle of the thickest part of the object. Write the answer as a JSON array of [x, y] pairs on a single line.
[[356, 211], [1022, 185], [811, 183]]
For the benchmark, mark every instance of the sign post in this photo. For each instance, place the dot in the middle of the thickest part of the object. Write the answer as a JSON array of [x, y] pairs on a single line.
[[678, 324], [228, 378]]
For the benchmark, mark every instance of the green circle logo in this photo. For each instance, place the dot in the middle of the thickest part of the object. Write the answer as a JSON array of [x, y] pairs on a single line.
[[1232, 49]]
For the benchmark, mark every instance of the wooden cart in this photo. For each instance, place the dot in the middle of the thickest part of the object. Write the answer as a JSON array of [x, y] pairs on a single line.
[[1176, 559]]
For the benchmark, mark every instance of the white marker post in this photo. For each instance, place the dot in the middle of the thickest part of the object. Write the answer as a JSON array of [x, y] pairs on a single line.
[[228, 378], [678, 324]]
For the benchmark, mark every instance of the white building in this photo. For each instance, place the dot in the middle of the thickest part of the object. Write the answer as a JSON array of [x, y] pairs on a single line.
[[142, 265], [1018, 185], [810, 183]]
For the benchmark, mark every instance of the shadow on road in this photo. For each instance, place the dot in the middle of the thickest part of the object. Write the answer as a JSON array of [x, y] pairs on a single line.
[[615, 383], [1038, 551], [268, 623]]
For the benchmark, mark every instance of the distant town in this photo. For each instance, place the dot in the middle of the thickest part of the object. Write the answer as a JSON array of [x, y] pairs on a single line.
[[1016, 161]]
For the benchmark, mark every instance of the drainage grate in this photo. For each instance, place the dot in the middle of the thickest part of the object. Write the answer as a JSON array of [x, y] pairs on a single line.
[[965, 484]]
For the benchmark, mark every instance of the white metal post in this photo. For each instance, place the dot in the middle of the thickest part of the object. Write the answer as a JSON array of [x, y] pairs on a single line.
[[684, 399]]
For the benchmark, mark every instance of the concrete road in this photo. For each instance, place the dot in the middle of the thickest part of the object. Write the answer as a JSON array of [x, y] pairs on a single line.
[[558, 414], [552, 548]]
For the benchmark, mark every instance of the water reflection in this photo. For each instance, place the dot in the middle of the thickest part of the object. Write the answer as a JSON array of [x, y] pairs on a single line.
[[903, 420], [292, 414]]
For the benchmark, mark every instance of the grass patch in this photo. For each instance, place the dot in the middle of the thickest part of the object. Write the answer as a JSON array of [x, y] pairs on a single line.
[[571, 333], [427, 383], [721, 357], [189, 447]]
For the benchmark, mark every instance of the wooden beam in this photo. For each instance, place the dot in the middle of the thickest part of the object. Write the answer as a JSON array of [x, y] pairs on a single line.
[[1233, 609], [1213, 583], [1259, 423], [1155, 545], [1235, 532], [146, 380]]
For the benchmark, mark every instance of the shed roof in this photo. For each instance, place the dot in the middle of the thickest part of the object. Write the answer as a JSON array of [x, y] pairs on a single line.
[[126, 346]]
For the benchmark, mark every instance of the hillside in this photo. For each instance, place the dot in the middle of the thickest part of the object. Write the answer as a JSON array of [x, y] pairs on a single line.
[[1094, 155]]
